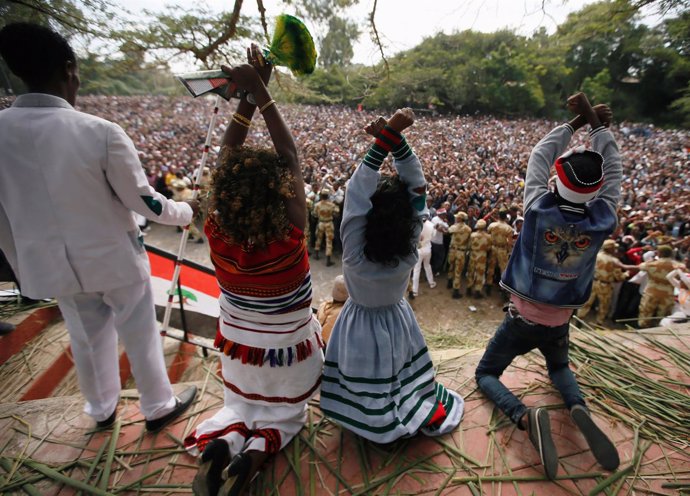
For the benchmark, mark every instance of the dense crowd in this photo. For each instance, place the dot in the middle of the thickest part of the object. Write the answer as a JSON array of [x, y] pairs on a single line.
[[473, 164]]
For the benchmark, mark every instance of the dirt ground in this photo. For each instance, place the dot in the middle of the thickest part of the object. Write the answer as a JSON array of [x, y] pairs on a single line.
[[447, 323]]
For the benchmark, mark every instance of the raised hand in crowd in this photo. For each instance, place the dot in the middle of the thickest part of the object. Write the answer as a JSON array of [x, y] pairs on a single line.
[[604, 113], [579, 105], [375, 126], [402, 119]]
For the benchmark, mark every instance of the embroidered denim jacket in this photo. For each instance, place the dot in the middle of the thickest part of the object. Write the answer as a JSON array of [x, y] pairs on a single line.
[[554, 258]]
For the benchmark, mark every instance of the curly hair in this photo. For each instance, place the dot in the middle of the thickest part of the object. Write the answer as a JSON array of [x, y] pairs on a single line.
[[391, 223], [249, 189]]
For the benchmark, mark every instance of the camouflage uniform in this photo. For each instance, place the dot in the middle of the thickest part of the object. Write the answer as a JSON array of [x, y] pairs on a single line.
[[457, 252], [606, 272], [480, 241], [325, 210], [657, 298], [501, 236]]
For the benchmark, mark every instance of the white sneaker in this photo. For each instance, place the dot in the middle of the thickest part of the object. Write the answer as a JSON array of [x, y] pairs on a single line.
[[432, 285]]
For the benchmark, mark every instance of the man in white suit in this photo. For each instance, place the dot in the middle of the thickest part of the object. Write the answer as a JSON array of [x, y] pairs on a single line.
[[69, 182]]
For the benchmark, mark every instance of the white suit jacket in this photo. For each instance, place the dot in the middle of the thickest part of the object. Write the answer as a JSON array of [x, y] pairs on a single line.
[[69, 182]]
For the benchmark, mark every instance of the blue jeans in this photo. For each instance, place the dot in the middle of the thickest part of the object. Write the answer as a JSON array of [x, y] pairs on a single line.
[[516, 337]]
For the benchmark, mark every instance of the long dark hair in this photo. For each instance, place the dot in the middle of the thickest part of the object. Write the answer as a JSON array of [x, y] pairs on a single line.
[[391, 223]]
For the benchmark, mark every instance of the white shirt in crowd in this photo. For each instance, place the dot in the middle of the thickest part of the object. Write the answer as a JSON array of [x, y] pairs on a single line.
[[440, 226]]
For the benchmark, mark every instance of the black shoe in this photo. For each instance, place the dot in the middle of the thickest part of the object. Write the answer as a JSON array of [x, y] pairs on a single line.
[[329, 263], [237, 475], [456, 294], [539, 431], [104, 424], [602, 447], [214, 459], [410, 295], [449, 284], [200, 241], [241, 471], [26, 301], [182, 402], [6, 328], [478, 295]]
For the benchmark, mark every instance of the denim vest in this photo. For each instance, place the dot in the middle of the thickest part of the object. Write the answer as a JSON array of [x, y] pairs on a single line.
[[554, 257]]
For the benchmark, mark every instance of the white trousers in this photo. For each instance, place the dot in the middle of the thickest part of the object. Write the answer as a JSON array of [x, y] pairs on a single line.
[[94, 322], [425, 259]]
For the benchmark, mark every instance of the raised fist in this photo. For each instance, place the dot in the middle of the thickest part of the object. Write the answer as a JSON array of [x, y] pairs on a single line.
[[604, 113], [375, 126], [578, 104], [402, 119]]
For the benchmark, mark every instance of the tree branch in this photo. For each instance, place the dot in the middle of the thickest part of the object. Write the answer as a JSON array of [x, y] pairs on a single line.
[[376, 37], [262, 13], [80, 25], [227, 34]]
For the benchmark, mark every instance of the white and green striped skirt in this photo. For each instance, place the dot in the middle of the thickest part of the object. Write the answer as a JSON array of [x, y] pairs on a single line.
[[378, 378]]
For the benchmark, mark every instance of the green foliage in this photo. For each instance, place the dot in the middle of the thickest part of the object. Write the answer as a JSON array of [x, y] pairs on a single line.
[[120, 77], [341, 85], [603, 49], [665, 72], [598, 88], [682, 107], [93, 18], [208, 38], [336, 46], [465, 72]]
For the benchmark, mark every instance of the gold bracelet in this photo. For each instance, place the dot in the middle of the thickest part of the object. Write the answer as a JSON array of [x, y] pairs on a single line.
[[266, 105], [242, 118], [235, 119]]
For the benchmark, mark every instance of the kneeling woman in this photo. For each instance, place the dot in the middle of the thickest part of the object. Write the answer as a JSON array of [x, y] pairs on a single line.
[[271, 349], [378, 377]]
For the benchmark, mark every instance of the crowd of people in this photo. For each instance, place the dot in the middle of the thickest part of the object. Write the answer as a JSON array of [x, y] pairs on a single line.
[[475, 167]]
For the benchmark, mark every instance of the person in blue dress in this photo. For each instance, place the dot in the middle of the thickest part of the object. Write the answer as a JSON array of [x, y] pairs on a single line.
[[378, 378]]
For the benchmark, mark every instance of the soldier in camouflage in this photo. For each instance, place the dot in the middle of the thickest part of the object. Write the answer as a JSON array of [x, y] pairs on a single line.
[[501, 240], [657, 298], [608, 270], [325, 210], [457, 253], [480, 241]]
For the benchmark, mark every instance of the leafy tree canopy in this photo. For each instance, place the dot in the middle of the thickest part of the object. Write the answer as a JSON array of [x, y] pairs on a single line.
[[603, 49]]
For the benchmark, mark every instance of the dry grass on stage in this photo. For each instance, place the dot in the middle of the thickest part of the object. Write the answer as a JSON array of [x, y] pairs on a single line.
[[636, 383]]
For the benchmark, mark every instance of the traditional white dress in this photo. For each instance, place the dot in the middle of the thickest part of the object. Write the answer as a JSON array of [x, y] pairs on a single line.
[[270, 343]]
